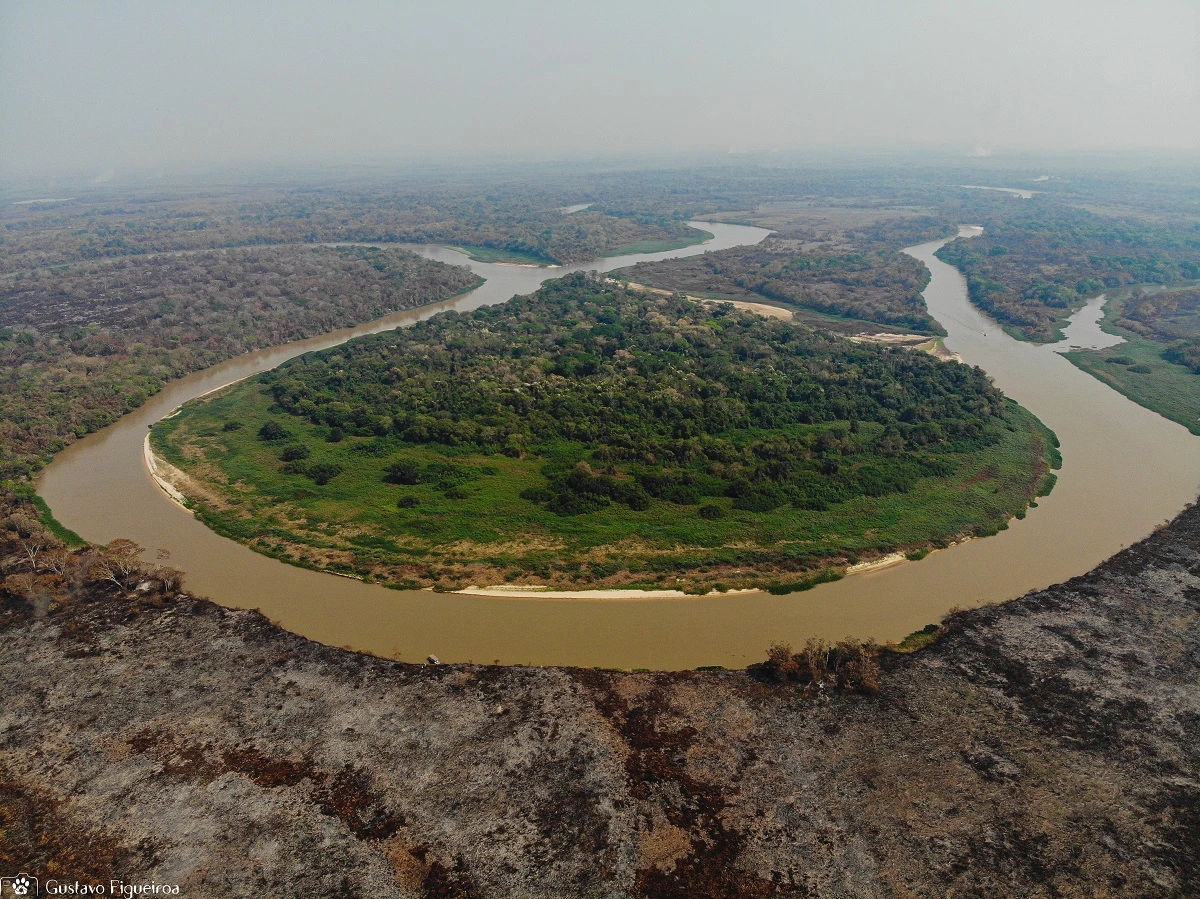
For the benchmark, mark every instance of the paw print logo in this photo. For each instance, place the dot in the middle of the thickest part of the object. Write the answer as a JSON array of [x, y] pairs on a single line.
[[21, 885]]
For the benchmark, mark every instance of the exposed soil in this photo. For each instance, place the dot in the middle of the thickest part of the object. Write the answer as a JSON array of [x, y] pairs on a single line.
[[1048, 747]]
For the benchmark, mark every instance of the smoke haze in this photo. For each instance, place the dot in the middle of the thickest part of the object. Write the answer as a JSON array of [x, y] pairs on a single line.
[[160, 86]]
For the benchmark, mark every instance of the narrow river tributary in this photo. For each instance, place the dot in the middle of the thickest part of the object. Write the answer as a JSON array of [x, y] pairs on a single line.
[[1125, 470]]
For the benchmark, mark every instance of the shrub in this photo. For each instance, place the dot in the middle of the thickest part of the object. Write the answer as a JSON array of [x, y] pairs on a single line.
[[408, 501], [537, 494], [320, 472], [323, 472], [404, 471], [232, 426], [848, 666], [1140, 369], [295, 452], [711, 512], [272, 431]]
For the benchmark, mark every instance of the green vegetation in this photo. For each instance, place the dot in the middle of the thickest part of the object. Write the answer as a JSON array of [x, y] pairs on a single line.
[[47, 519], [920, 639], [661, 246], [867, 281], [488, 254], [1158, 366], [589, 434], [1031, 271]]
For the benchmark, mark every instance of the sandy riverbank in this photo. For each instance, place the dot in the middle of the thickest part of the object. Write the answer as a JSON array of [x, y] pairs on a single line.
[[164, 473], [537, 591]]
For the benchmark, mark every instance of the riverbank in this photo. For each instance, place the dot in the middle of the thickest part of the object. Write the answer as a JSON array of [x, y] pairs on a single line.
[[1053, 740], [99, 487], [1133, 363], [389, 499], [1137, 370]]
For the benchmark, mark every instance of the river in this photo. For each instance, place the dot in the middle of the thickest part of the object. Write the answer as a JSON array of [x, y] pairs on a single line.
[[1126, 470]]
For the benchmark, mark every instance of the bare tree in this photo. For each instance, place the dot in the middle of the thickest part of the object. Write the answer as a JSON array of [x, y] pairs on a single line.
[[32, 546], [116, 562], [56, 561]]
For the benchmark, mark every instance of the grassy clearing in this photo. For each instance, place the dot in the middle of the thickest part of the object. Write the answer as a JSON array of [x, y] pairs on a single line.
[[660, 246], [474, 526], [490, 254]]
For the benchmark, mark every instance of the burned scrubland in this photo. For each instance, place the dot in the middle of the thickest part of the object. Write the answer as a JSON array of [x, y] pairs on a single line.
[[1047, 747]]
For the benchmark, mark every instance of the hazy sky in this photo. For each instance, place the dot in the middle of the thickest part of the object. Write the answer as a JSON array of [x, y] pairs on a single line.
[[95, 86]]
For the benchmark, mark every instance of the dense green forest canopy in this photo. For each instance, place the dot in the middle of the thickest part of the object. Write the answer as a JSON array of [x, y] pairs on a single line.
[[629, 396], [1035, 265], [83, 345], [856, 273]]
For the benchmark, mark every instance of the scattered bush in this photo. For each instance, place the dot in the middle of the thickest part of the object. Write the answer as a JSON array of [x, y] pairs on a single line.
[[404, 471], [319, 472], [272, 431], [295, 452]]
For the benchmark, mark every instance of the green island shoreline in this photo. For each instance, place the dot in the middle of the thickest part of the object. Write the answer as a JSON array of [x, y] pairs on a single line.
[[1139, 368], [367, 503]]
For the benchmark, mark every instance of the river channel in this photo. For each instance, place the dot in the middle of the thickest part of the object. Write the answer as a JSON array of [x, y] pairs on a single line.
[[1126, 470]]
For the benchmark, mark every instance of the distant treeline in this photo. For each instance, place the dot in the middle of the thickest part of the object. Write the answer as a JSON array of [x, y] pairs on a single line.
[[858, 274], [499, 217]]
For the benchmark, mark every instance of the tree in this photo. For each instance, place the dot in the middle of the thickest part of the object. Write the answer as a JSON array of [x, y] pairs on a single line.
[[117, 562]]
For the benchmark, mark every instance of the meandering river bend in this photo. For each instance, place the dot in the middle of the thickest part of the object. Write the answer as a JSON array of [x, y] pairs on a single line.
[[1125, 470]]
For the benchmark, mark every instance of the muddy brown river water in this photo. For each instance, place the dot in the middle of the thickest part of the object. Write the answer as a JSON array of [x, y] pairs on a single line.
[[1125, 471]]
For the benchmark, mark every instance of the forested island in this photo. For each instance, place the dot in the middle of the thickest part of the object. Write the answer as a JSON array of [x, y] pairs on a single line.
[[856, 275], [1031, 268], [590, 434]]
